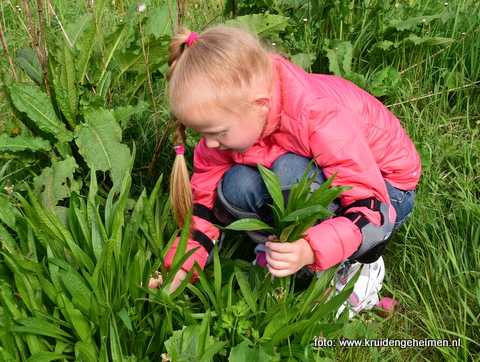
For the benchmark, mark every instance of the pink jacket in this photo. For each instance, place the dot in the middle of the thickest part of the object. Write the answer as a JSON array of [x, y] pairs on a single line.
[[352, 132]]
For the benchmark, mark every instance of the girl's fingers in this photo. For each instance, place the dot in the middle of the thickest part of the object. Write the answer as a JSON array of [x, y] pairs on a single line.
[[279, 247], [155, 283]]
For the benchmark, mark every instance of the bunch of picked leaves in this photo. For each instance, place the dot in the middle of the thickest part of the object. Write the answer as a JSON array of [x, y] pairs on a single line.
[[292, 217]]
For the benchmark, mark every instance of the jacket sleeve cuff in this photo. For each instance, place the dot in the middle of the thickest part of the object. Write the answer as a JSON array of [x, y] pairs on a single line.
[[333, 241], [200, 256]]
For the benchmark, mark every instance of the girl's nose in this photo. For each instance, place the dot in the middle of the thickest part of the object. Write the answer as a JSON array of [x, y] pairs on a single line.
[[211, 142]]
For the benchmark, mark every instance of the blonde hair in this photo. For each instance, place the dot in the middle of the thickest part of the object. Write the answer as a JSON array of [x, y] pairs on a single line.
[[226, 59]]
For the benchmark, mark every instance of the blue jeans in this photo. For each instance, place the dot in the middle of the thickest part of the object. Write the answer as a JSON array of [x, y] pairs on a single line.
[[243, 187]]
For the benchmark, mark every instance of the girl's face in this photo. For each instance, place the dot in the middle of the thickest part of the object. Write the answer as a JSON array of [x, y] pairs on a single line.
[[230, 131], [232, 120], [234, 126]]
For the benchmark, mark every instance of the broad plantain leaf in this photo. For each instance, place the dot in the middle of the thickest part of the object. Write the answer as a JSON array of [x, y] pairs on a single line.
[[22, 143], [123, 114], [162, 20], [303, 60], [38, 107], [65, 83], [340, 55], [265, 25], [87, 40], [56, 183], [384, 82], [248, 351], [98, 140], [411, 23], [27, 58], [75, 30], [133, 61]]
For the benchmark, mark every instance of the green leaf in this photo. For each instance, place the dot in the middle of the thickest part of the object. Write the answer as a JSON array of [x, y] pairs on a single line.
[[324, 195], [303, 60], [315, 292], [248, 225], [81, 295], [265, 25], [183, 343], [65, 83], [86, 350], [217, 277], [307, 212], [98, 140], [27, 59], [115, 345], [245, 289], [384, 82], [40, 327], [25, 283], [111, 44], [75, 30], [273, 186], [287, 232], [37, 105], [46, 357], [56, 183], [437, 40], [340, 55], [104, 85], [411, 23], [123, 114], [80, 324], [88, 38], [276, 323], [123, 314], [8, 214], [357, 78], [134, 61], [9, 304], [213, 350], [247, 351], [161, 20], [22, 143], [285, 332]]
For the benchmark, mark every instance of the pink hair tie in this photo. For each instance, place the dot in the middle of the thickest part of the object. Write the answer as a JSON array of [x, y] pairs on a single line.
[[179, 150], [191, 38]]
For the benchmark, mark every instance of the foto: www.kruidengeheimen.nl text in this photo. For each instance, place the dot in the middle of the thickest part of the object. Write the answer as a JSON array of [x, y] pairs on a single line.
[[401, 343]]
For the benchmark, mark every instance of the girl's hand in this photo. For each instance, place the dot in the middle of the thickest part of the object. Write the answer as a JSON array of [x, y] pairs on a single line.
[[179, 278], [287, 258]]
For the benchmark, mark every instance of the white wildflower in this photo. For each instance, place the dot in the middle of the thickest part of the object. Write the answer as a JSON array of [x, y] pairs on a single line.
[[166, 357]]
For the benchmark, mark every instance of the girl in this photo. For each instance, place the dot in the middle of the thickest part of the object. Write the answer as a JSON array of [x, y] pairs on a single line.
[[253, 108]]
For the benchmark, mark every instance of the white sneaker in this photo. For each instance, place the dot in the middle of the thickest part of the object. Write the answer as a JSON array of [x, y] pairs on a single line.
[[365, 291]]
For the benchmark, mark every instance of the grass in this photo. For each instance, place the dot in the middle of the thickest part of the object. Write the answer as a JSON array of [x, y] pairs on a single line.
[[433, 262]]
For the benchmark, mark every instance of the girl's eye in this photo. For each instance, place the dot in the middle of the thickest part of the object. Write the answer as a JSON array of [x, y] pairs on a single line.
[[219, 135]]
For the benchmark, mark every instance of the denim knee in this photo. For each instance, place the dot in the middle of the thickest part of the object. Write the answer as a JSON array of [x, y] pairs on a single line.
[[243, 187], [290, 168]]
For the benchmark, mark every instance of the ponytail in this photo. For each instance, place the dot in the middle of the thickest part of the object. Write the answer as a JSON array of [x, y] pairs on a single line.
[[180, 190], [176, 49]]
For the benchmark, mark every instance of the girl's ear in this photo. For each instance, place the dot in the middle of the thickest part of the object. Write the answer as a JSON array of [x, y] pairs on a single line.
[[262, 103]]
